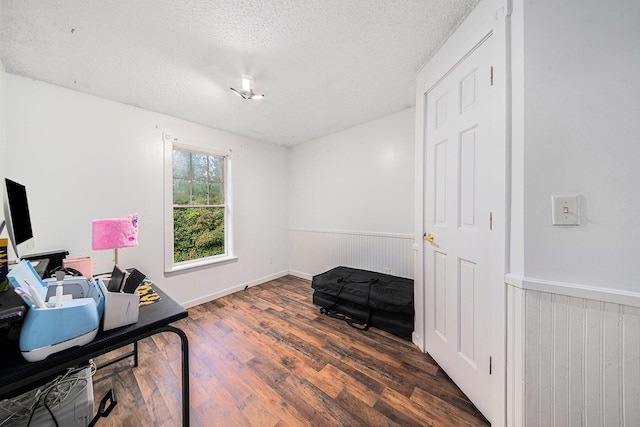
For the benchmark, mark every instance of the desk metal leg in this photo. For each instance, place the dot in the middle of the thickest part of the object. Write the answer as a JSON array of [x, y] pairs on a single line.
[[184, 344], [133, 353], [185, 370]]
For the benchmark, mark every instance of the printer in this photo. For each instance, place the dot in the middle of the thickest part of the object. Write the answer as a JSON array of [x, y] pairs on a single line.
[[49, 327]]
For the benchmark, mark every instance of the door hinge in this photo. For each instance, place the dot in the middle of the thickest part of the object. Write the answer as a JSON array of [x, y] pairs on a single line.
[[490, 221], [490, 365], [491, 76]]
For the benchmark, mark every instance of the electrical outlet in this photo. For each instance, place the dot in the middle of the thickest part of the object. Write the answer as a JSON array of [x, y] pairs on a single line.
[[270, 260]]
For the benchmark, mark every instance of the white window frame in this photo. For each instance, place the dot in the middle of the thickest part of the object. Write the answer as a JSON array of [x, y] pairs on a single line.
[[169, 265]]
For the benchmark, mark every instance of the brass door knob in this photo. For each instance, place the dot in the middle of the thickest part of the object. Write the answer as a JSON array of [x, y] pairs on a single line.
[[429, 237]]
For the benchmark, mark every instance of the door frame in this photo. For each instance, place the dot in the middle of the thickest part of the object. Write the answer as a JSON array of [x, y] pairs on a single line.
[[490, 17]]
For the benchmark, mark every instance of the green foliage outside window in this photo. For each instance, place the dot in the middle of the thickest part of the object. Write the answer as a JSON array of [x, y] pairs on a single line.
[[197, 233], [198, 205]]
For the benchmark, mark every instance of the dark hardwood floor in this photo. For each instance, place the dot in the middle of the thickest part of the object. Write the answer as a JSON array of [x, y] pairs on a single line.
[[267, 357]]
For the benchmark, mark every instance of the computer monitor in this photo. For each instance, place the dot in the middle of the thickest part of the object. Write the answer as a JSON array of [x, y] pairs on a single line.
[[18, 220]]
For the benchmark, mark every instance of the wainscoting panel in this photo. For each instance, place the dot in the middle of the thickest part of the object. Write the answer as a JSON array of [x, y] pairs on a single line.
[[315, 251], [515, 356], [581, 361]]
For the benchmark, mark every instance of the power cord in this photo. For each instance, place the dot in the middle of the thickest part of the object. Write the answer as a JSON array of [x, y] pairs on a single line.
[[54, 393]]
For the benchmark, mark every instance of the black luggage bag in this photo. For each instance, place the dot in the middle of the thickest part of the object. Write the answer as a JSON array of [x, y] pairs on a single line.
[[365, 298]]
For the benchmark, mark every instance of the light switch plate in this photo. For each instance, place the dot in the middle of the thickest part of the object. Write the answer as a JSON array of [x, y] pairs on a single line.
[[565, 210]]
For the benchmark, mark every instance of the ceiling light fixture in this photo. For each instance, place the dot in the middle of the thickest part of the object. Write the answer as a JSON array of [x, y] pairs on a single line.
[[247, 91]]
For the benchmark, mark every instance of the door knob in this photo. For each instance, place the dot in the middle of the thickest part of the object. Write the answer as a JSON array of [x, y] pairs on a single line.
[[429, 237]]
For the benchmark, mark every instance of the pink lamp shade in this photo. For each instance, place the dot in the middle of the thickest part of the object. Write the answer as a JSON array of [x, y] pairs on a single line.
[[113, 233]]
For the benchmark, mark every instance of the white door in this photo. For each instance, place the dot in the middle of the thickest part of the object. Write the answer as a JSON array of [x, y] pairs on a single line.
[[459, 154]]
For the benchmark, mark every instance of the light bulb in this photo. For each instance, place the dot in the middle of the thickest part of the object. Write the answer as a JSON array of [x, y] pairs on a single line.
[[246, 84]]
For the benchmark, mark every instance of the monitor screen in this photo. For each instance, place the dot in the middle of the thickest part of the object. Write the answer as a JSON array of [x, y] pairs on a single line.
[[17, 217]]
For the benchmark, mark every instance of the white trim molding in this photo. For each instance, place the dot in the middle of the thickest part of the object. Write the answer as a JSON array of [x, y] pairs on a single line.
[[355, 233], [169, 143], [301, 275], [233, 289], [614, 296]]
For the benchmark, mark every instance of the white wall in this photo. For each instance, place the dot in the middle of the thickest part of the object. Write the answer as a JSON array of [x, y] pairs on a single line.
[[581, 129], [351, 198], [83, 157], [357, 179], [573, 318]]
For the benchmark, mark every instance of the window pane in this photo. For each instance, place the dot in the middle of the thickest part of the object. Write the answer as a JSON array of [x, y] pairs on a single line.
[[181, 164], [199, 193], [197, 233], [198, 179], [216, 168], [181, 193], [216, 195], [199, 164]]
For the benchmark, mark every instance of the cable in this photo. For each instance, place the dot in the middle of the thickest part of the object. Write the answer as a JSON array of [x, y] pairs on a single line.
[[31, 416], [54, 393], [53, 417]]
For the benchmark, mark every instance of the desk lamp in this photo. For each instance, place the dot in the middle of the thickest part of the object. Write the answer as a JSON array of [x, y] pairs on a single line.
[[115, 233]]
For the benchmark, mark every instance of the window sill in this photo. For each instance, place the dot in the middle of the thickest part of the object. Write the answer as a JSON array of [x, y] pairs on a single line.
[[188, 265]]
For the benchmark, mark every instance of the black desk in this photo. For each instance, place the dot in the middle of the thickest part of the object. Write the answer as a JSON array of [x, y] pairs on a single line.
[[17, 374]]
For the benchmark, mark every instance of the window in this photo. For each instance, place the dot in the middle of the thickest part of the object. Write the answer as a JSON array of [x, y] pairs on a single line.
[[197, 222]]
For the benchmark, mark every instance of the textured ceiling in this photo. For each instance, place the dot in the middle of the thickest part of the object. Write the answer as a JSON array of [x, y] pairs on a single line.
[[324, 65]]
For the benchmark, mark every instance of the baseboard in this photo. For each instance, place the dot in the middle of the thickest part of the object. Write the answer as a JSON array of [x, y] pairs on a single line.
[[301, 275], [596, 293], [417, 340], [234, 289]]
